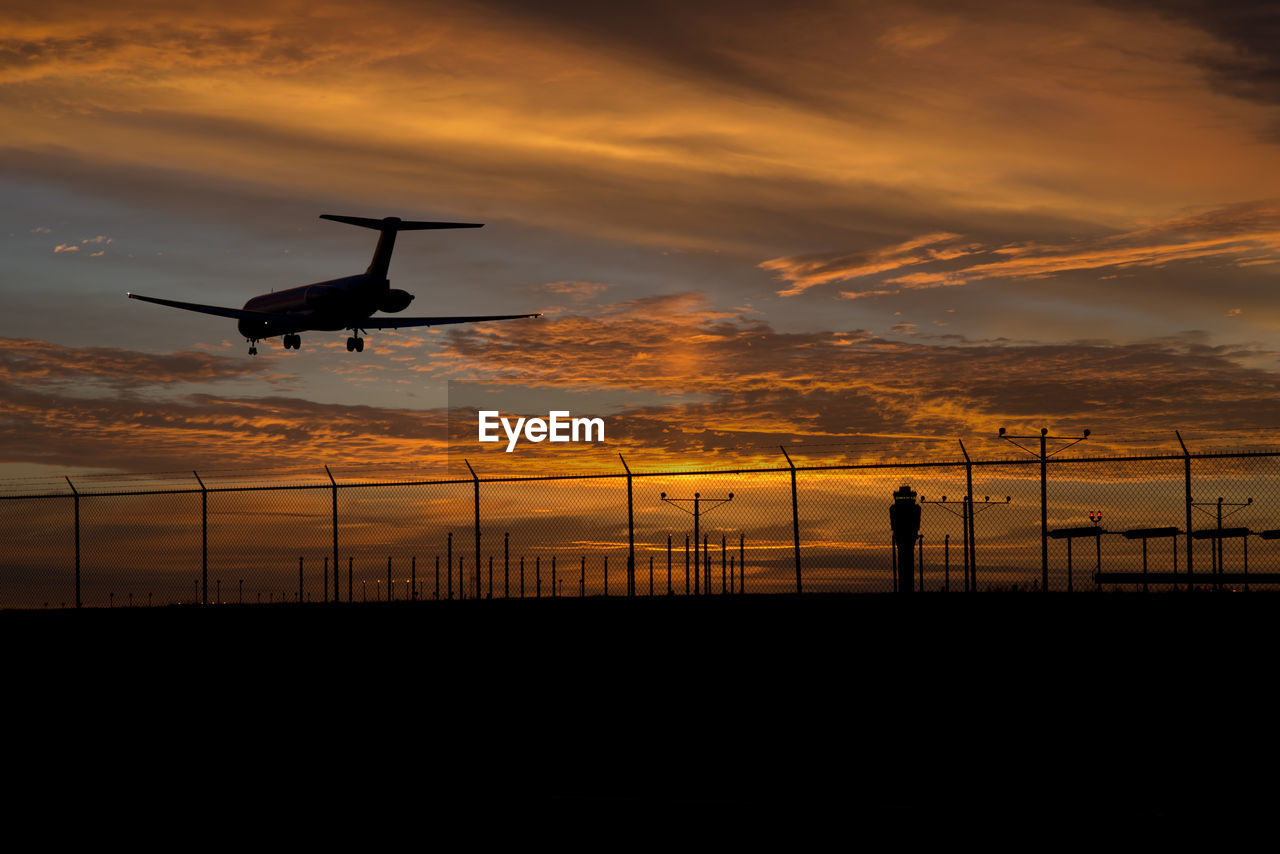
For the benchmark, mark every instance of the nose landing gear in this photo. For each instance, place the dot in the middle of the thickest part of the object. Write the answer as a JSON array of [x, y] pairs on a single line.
[[253, 346]]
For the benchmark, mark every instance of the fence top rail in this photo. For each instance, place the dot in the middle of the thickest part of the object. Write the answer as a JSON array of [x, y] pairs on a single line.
[[621, 474]]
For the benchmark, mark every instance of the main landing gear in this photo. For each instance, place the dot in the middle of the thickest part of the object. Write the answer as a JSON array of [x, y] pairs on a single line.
[[355, 343], [294, 341]]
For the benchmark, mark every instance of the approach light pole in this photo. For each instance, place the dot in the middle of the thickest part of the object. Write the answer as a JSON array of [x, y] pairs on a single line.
[[1044, 488], [700, 507], [968, 509], [1216, 551]]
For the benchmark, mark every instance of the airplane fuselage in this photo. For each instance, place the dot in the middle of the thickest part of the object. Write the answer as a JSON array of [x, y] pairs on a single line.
[[325, 306], [346, 303]]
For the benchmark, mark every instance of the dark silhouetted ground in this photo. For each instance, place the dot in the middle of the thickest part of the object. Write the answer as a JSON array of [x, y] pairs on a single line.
[[1017, 709]]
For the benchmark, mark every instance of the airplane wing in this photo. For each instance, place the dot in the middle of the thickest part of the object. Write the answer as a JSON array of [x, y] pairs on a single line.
[[401, 322], [236, 313]]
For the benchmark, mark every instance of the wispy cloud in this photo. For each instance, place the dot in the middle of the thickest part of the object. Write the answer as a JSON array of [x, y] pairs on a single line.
[[32, 363], [740, 136], [1238, 235], [575, 290], [740, 386], [804, 272]]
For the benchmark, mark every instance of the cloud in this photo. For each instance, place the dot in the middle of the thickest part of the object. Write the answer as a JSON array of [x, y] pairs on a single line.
[[765, 386], [66, 247], [576, 290], [32, 363], [1245, 234], [806, 272], [740, 388], [206, 430], [759, 133], [1244, 63]]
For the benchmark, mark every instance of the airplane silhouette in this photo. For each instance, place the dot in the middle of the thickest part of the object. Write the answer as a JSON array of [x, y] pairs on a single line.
[[346, 303]]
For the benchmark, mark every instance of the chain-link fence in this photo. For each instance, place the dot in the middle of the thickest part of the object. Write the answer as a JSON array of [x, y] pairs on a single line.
[[1147, 522]]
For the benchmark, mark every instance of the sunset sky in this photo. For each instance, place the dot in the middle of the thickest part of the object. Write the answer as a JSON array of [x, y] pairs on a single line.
[[805, 223]]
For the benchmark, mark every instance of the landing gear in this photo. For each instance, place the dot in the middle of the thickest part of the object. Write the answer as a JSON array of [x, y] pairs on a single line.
[[253, 348], [294, 341], [356, 344]]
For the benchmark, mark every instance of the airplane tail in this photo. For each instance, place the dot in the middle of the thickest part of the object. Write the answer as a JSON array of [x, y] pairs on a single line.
[[388, 226]]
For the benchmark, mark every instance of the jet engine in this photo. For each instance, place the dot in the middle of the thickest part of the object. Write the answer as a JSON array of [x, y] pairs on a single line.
[[395, 300]]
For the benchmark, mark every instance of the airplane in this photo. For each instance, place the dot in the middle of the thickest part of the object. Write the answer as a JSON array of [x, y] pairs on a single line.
[[347, 303]]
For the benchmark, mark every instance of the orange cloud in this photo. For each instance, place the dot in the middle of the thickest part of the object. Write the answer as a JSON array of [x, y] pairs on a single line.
[[806, 272], [740, 389], [29, 362], [576, 290], [780, 131], [1243, 235]]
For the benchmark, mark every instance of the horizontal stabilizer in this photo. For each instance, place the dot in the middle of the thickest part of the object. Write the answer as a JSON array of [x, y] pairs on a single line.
[[394, 223]]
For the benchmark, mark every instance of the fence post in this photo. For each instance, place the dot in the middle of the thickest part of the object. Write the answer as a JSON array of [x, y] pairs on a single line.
[[946, 564], [795, 516], [333, 486], [920, 562], [706, 563], [697, 570], [448, 563], [506, 565], [204, 541], [299, 579], [631, 533], [970, 556], [1186, 471], [350, 575], [893, 561], [389, 597], [742, 563], [476, 484], [75, 498], [724, 554], [1044, 514]]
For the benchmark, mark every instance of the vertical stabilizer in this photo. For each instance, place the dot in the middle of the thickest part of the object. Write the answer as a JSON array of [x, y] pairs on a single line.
[[388, 226], [381, 261]]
